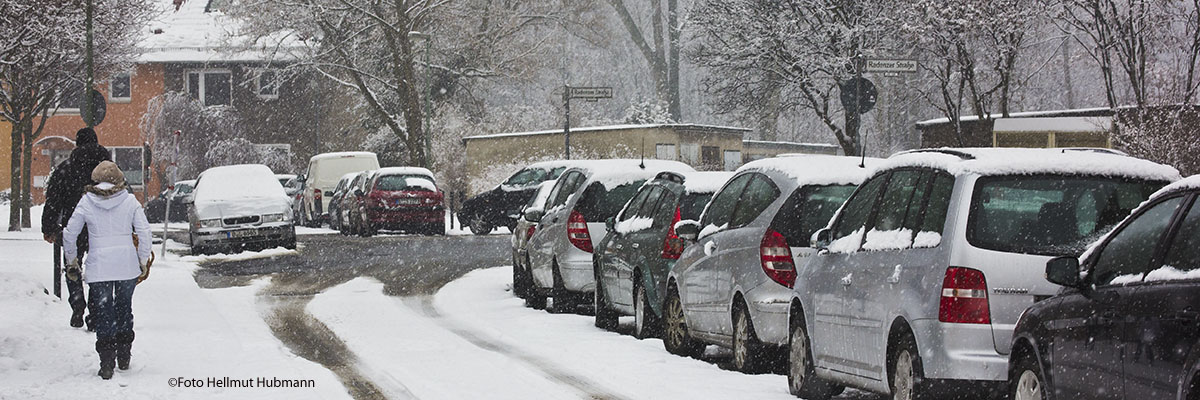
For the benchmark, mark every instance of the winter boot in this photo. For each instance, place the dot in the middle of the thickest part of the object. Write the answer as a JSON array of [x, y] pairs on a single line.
[[108, 358], [77, 319], [124, 345], [91, 324]]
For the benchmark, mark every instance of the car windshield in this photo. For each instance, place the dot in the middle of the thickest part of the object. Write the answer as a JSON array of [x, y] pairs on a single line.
[[526, 177], [183, 189], [808, 209], [1050, 215], [410, 183], [599, 203], [693, 204]]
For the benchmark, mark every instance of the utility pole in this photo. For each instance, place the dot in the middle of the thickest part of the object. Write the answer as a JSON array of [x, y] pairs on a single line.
[[87, 92], [567, 122]]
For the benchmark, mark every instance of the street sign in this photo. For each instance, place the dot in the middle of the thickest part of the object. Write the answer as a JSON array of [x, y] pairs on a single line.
[[891, 65], [99, 109], [858, 94], [591, 93]]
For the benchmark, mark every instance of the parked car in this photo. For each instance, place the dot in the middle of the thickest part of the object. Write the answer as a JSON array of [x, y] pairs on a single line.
[[292, 186], [560, 250], [284, 179], [730, 288], [324, 170], [522, 280], [921, 276], [335, 201], [1126, 324], [501, 206], [179, 198], [399, 198], [351, 203], [632, 261], [238, 206]]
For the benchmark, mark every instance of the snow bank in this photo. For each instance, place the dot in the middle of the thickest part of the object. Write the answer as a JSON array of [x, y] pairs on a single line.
[[888, 240], [245, 255]]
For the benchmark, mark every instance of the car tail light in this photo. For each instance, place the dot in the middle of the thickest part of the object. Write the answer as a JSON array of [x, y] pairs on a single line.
[[964, 297], [672, 244], [577, 232], [529, 232], [776, 258]]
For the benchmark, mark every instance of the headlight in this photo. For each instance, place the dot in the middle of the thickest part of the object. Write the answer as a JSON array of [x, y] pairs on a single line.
[[208, 223], [267, 218]]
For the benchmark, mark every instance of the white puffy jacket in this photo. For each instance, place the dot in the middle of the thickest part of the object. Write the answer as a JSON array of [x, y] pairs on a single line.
[[109, 220]]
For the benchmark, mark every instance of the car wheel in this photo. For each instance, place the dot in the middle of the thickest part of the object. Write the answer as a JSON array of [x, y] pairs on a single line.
[[480, 227], [676, 338], [1027, 382], [606, 319], [747, 350], [563, 301], [290, 244], [802, 378], [645, 323], [436, 229], [905, 371]]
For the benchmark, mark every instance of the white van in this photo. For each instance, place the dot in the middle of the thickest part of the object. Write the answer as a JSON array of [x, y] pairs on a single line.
[[324, 170]]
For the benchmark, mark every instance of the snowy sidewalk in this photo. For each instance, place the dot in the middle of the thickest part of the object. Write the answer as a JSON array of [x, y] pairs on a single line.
[[185, 336]]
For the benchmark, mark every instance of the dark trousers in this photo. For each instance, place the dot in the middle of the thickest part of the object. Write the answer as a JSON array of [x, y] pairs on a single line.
[[112, 307], [75, 288]]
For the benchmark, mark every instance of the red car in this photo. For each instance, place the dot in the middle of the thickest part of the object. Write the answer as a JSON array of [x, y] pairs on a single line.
[[397, 198]]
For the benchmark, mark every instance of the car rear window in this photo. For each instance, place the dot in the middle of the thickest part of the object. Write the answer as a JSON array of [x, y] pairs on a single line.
[[1050, 214], [808, 209], [410, 183], [599, 203], [527, 177]]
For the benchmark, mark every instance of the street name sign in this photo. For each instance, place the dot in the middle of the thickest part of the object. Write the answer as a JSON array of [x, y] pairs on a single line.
[[891, 65]]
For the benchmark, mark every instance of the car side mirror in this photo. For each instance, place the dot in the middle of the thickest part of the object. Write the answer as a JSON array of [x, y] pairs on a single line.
[[610, 224], [821, 238], [358, 192], [534, 215], [1064, 271], [687, 230]]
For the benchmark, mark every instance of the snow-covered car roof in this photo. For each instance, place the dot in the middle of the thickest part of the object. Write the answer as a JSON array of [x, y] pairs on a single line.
[[705, 182], [615, 172], [1014, 161], [816, 169], [189, 182], [1189, 183], [285, 176], [404, 171], [326, 156], [349, 176]]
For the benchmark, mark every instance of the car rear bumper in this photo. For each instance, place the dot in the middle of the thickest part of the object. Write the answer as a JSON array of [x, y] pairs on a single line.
[[407, 217], [959, 351], [243, 235], [769, 304], [576, 270]]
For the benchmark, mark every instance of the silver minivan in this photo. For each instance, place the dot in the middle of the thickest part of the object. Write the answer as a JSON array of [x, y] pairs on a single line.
[[732, 284], [572, 223], [921, 276]]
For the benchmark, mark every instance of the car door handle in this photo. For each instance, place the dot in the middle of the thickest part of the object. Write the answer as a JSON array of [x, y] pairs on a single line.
[[1187, 317], [895, 278], [710, 247], [1105, 318], [847, 280], [618, 247], [635, 245]]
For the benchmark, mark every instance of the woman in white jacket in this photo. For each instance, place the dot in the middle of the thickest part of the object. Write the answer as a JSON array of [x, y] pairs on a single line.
[[113, 265]]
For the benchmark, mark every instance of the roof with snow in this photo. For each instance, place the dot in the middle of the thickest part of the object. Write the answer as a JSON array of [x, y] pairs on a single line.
[[1054, 124], [192, 34], [609, 128], [403, 171], [1025, 114], [705, 182], [1189, 183], [326, 156], [615, 172], [817, 169], [1017, 161]]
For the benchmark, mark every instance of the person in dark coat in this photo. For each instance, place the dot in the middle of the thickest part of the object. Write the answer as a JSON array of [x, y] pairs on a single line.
[[63, 191]]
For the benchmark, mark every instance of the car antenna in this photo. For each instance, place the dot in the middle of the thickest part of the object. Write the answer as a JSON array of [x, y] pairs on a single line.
[[643, 160]]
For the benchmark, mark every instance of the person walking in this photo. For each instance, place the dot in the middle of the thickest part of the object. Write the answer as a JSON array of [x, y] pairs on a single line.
[[63, 191], [116, 262]]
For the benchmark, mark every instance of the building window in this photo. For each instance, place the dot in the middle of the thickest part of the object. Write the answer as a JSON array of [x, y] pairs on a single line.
[[266, 83], [710, 158], [119, 89], [129, 160], [733, 159], [690, 153], [665, 151], [211, 87]]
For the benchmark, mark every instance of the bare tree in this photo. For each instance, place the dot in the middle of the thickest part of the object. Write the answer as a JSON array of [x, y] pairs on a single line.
[[663, 57], [41, 53]]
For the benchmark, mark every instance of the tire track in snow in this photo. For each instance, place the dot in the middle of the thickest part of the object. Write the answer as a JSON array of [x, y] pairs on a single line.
[[585, 387]]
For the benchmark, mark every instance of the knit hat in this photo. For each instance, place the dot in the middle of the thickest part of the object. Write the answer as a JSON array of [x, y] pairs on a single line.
[[85, 136], [107, 171]]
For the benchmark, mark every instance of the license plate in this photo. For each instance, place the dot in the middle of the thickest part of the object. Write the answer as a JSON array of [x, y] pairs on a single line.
[[241, 233], [408, 201]]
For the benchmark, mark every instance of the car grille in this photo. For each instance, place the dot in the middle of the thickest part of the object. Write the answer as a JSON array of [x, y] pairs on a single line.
[[240, 220]]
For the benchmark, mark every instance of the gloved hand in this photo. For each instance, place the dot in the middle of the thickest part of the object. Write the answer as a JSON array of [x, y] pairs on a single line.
[[72, 270], [145, 272]]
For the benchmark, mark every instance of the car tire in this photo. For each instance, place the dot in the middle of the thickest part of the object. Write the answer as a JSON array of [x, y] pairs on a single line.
[[478, 226], [1027, 381], [748, 354], [436, 229], [289, 243], [676, 338], [802, 379], [904, 371], [564, 301], [606, 319], [645, 323]]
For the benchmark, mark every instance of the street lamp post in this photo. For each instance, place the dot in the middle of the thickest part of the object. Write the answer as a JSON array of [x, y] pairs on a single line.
[[428, 92]]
